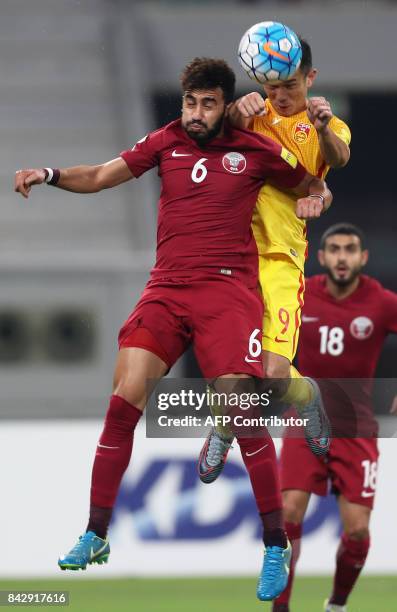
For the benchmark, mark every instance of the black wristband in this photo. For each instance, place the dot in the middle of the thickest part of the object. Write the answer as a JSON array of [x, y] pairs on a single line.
[[52, 175]]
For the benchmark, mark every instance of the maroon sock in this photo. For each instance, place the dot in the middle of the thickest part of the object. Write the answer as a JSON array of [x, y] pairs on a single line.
[[111, 460], [294, 533], [273, 528], [350, 559], [260, 459]]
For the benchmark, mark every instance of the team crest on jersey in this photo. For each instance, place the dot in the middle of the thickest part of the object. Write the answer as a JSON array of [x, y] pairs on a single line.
[[361, 328], [301, 132], [234, 162]]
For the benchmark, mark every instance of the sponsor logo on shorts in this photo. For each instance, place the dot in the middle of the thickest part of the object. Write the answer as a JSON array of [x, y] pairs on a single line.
[[249, 360], [361, 328], [367, 493], [293, 252], [234, 162], [306, 319], [301, 132]]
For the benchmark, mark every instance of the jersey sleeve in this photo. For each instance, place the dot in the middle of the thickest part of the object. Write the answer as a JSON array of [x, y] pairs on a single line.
[[390, 310], [341, 130], [281, 166], [145, 154]]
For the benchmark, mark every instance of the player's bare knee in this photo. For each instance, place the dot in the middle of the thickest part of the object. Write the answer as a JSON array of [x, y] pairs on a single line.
[[358, 532], [293, 508], [276, 368], [134, 393]]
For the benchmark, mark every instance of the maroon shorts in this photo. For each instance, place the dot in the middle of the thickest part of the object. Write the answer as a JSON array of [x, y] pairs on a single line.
[[219, 315], [350, 467]]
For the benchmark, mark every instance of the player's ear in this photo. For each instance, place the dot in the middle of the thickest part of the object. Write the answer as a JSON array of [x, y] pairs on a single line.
[[320, 257], [364, 257], [311, 77]]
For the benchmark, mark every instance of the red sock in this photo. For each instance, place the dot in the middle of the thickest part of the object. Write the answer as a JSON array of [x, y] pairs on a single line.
[[260, 459], [350, 559], [294, 533], [111, 460]]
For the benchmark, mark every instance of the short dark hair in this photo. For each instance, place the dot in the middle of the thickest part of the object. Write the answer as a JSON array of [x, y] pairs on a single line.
[[208, 73], [348, 229], [307, 61]]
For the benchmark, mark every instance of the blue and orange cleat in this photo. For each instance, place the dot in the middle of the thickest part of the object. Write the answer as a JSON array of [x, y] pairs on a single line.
[[273, 578], [213, 457], [89, 549]]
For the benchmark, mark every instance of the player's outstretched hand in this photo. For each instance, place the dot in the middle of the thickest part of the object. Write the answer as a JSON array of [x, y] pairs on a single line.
[[24, 179], [309, 208], [319, 112], [251, 105]]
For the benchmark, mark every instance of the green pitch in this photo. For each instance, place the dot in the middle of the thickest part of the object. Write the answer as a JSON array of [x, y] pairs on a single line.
[[373, 594]]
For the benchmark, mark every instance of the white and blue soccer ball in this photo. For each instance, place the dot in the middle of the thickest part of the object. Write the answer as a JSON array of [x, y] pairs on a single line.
[[270, 51]]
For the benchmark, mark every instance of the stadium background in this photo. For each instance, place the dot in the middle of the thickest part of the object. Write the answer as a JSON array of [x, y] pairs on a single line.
[[83, 80]]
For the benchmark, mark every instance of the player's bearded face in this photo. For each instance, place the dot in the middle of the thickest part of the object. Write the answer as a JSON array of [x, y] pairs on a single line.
[[203, 115], [343, 259]]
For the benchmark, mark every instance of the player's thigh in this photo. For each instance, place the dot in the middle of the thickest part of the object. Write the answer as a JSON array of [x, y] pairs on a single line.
[[282, 285], [136, 373], [150, 341], [355, 518], [227, 329], [353, 464], [295, 504], [300, 469]]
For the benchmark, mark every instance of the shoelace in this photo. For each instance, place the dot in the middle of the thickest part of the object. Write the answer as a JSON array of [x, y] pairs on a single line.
[[216, 449], [80, 546], [273, 563]]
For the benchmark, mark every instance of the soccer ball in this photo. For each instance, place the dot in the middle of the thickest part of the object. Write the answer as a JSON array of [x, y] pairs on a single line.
[[270, 51]]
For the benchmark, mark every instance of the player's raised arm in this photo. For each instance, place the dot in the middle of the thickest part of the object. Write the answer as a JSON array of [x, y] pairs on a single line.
[[242, 112], [79, 179], [334, 148]]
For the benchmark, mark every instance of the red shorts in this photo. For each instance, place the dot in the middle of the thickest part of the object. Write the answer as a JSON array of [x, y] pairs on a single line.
[[219, 315], [351, 468]]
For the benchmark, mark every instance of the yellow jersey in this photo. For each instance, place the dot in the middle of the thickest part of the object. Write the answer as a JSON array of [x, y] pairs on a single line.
[[276, 227]]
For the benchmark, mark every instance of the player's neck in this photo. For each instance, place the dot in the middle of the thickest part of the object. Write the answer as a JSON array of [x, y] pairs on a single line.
[[341, 292]]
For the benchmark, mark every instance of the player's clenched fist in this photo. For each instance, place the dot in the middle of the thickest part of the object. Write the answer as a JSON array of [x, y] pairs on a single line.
[[309, 208], [250, 105], [24, 179], [319, 112]]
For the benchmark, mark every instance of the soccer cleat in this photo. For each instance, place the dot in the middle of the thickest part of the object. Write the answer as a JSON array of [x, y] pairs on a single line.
[[328, 607], [213, 457], [275, 571], [89, 549], [317, 428]]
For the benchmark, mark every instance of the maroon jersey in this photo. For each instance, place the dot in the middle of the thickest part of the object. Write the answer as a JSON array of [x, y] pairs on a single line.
[[208, 195], [342, 339]]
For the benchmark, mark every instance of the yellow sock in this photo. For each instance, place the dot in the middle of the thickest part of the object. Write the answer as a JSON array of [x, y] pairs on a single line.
[[300, 391]]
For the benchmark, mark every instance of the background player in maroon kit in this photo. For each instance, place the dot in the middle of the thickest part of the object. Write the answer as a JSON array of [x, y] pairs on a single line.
[[203, 284], [345, 320]]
